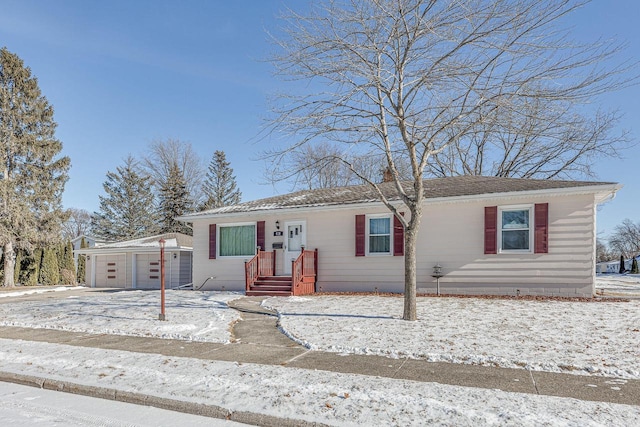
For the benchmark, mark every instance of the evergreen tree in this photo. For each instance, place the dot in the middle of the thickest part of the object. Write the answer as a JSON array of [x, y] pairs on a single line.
[[219, 187], [34, 274], [29, 269], [18, 267], [32, 175], [60, 248], [174, 201], [49, 270], [634, 266], [82, 264], [127, 211], [68, 267], [621, 270]]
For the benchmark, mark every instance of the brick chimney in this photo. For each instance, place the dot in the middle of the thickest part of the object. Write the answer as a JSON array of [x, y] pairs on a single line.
[[387, 176]]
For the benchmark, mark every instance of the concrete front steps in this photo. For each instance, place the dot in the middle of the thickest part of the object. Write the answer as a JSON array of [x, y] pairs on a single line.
[[275, 286]]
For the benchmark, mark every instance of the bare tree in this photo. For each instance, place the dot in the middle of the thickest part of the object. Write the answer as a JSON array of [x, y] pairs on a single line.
[[408, 79], [79, 223], [164, 155], [538, 140], [603, 253], [325, 165], [625, 239]]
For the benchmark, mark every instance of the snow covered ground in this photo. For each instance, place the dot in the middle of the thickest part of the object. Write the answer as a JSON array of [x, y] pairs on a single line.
[[27, 291], [23, 406], [331, 398], [589, 338], [625, 285], [191, 315], [601, 338]]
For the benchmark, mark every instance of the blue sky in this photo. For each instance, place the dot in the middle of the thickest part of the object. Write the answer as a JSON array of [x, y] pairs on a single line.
[[121, 74]]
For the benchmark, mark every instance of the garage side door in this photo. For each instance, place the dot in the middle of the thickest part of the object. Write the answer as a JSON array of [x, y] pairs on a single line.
[[111, 271]]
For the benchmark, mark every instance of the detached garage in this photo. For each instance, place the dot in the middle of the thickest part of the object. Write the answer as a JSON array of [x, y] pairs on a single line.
[[135, 264]]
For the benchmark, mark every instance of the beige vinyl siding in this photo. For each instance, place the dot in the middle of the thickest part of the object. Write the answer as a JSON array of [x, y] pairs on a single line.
[[451, 234], [228, 273]]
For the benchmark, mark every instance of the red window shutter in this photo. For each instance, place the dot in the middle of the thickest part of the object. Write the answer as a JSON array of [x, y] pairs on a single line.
[[491, 230], [541, 232], [212, 241], [360, 235], [260, 235], [398, 236]]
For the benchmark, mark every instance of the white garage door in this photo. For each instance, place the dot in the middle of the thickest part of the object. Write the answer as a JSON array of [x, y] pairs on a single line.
[[148, 271], [111, 271]]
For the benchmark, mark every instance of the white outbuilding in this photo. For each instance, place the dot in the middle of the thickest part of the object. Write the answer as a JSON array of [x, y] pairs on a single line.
[[135, 264]]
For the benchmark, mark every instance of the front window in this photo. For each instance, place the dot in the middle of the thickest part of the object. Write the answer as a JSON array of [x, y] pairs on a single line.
[[379, 235], [237, 240], [515, 229]]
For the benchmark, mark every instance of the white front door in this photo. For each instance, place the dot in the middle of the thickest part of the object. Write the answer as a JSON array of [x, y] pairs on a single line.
[[295, 239]]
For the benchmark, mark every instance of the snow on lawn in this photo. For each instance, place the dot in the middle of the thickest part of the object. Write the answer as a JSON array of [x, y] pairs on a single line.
[[7, 294], [191, 315], [618, 284], [601, 338], [316, 396]]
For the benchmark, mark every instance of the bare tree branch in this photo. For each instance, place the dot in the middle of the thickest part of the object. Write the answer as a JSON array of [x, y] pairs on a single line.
[[456, 87]]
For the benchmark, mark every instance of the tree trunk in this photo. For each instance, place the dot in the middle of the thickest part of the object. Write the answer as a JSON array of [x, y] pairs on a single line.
[[410, 273], [9, 265]]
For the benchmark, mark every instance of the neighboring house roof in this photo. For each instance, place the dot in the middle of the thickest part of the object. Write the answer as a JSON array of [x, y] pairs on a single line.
[[436, 188], [97, 240], [173, 241]]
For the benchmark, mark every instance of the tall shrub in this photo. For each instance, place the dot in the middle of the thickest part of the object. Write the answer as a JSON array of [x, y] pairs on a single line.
[[621, 270]]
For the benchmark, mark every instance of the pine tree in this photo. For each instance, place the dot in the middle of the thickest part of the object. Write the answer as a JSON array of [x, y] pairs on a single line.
[[82, 264], [219, 187], [127, 211], [174, 201], [634, 266], [32, 175], [49, 270], [622, 269]]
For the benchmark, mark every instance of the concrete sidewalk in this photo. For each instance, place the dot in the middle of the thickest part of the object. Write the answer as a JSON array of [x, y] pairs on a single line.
[[257, 339]]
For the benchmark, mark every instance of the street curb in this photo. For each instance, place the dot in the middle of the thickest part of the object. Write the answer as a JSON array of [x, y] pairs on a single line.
[[201, 409]]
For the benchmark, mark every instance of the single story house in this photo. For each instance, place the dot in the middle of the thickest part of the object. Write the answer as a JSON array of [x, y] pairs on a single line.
[[135, 264], [610, 267], [490, 235]]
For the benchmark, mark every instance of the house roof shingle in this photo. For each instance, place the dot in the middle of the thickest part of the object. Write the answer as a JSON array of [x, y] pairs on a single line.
[[434, 188]]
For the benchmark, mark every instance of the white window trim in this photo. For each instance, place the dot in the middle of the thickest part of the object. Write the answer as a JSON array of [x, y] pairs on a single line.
[[366, 235], [528, 207], [236, 224]]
